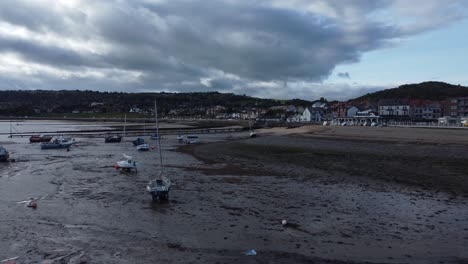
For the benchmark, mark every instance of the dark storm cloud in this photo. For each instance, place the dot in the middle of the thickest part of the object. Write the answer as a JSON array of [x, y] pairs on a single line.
[[47, 54], [192, 45], [261, 42]]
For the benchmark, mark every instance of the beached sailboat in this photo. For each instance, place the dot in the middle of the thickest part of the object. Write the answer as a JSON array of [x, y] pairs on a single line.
[[4, 155], [159, 187]]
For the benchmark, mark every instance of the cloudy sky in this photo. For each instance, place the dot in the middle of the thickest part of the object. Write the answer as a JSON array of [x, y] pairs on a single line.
[[278, 48]]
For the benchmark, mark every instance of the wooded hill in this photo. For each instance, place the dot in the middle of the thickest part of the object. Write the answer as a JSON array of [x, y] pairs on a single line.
[[425, 90], [40, 102]]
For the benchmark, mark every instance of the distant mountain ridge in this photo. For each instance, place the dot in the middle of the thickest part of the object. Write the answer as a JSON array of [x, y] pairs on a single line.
[[424, 90]]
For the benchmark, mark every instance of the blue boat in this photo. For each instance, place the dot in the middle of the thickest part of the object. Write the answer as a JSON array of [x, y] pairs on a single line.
[[138, 141], [4, 155], [58, 143]]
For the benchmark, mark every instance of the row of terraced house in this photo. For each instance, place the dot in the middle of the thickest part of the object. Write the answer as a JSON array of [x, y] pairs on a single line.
[[387, 110], [423, 110]]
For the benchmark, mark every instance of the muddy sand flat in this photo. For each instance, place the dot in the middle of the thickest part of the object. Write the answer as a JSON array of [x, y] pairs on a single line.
[[346, 200]]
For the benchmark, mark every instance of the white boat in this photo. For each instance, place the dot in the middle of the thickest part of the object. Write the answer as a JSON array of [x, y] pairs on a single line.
[[180, 138], [159, 187], [127, 164], [252, 132], [191, 139], [143, 147], [59, 142]]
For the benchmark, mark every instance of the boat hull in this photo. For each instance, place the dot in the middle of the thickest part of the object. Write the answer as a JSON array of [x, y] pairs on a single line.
[[55, 145], [113, 139], [38, 139], [159, 189], [138, 141], [4, 155], [4, 158], [126, 165], [143, 147]]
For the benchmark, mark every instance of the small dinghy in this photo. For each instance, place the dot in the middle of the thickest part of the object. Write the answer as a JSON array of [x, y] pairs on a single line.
[[113, 139], [40, 138], [143, 147], [138, 141], [58, 143], [180, 138], [127, 165], [191, 139]]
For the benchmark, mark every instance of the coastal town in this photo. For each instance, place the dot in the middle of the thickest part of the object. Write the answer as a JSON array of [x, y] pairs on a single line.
[[277, 131], [451, 111], [408, 104]]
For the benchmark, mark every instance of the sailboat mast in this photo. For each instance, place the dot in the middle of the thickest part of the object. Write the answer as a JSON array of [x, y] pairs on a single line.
[[125, 124], [159, 136]]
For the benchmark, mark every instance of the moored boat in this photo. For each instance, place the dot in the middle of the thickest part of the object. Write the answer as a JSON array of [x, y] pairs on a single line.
[[143, 147], [127, 164], [138, 141], [252, 133], [113, 139], [58, 143], [191, 139], [159, 187], [4, 155], [40, 138]]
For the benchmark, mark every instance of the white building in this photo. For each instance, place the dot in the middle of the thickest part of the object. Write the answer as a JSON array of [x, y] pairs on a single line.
[[352, 111], [394, 108], [306, 115]]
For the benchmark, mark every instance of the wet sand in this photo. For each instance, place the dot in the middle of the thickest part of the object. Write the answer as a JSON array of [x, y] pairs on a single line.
[[347, 201]]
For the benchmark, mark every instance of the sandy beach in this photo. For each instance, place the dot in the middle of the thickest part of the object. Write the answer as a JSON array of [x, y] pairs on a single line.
[[349, 194]]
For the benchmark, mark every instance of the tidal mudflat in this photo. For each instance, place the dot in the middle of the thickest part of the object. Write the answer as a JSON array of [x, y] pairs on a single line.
[[346, 200]]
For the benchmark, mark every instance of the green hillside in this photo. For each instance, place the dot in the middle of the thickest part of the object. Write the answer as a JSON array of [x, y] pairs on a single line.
[[425, 90]]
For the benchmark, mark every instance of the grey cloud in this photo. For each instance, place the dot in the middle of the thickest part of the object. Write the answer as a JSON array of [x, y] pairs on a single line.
[[48, 55], [310, 91], [175, 44], [39, 16], [344, 75]]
